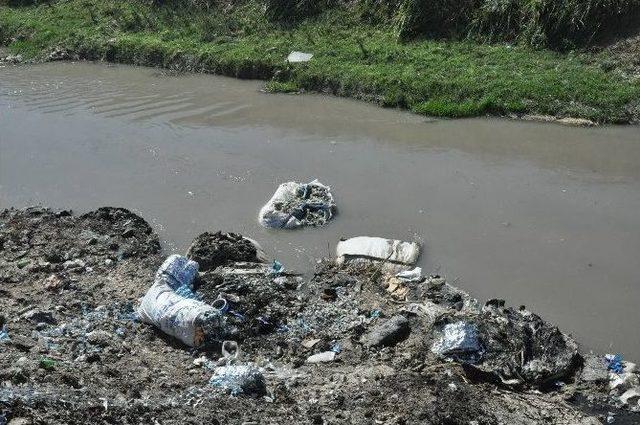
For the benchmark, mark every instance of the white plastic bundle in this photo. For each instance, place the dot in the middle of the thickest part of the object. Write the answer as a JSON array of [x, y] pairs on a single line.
[[171, 306], [377, 249], [296, 204]]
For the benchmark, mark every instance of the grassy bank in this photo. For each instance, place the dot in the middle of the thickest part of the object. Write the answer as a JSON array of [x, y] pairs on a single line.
[[352, 57]]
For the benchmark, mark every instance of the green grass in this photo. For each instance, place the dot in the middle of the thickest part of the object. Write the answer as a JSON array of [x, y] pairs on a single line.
[[351, 58]]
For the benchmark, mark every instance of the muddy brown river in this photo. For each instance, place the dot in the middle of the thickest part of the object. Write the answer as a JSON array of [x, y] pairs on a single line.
[[538, 214]]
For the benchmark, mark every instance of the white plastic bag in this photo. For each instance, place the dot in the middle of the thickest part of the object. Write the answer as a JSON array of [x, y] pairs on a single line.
[[378, 249], [296, 204], [170, 305]]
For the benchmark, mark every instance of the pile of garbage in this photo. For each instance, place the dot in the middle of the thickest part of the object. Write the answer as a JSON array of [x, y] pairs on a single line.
[[295, 205], [97, 325]]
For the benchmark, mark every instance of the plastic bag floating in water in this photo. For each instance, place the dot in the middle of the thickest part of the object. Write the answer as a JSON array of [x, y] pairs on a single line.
[[295, 205]]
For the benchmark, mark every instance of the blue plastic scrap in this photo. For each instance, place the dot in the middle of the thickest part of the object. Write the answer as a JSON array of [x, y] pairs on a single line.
[[614, 363], [4, 334], [276, 268]]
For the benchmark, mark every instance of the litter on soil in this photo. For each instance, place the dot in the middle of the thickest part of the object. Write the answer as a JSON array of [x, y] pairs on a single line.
[[171, 305], [332, 347], [295, 205]]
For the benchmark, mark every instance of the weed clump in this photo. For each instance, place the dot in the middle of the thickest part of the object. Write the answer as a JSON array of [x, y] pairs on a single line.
[[559, 24]]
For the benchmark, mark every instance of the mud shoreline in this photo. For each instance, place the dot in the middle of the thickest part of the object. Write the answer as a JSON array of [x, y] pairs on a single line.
[[75, 350]]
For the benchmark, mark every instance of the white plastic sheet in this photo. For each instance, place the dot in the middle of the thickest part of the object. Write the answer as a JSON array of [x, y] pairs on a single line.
[[378, 249]]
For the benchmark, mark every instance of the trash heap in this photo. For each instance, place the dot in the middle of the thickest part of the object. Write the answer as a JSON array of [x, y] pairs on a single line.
[[296, 205], [97, 325]]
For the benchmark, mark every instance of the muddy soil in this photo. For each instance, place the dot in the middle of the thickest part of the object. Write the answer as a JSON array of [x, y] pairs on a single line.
[[75, 351]]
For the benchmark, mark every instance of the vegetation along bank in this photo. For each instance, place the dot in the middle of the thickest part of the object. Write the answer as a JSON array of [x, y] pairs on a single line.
[[563, 58]]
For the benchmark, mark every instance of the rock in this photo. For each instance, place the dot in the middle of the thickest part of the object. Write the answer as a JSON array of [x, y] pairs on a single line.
[[388, 333], [22, 343], [54, 282], [623, 381], [211, 250], [577, 122], [74, 265], [100, 338], [325, 357], [594, 370], [129, 232], [12, 59], [59, 54], [38, 316], [310, 343], [630, 395], [540, 118]]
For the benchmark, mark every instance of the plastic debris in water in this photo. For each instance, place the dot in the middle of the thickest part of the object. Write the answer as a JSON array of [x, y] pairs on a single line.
[[4, 334], [296, 204], [459, 340], [375, 314], [614, 363], [336, 348], [276, 268], [239, 379]]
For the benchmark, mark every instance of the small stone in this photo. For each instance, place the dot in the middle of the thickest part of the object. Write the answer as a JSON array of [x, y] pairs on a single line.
[[38, 316], [577, 122], [128, 232], [74, 265], [310, 343], [100, 338], [325, 357], [54, 282], [388, 333], [630, 394], [22, 343], [594, 369]]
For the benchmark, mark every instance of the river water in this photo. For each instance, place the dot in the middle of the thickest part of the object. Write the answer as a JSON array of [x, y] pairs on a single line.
[[539, 214]]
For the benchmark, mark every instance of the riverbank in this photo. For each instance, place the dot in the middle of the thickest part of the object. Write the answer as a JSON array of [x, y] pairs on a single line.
[[351, 58], [74, 348]]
